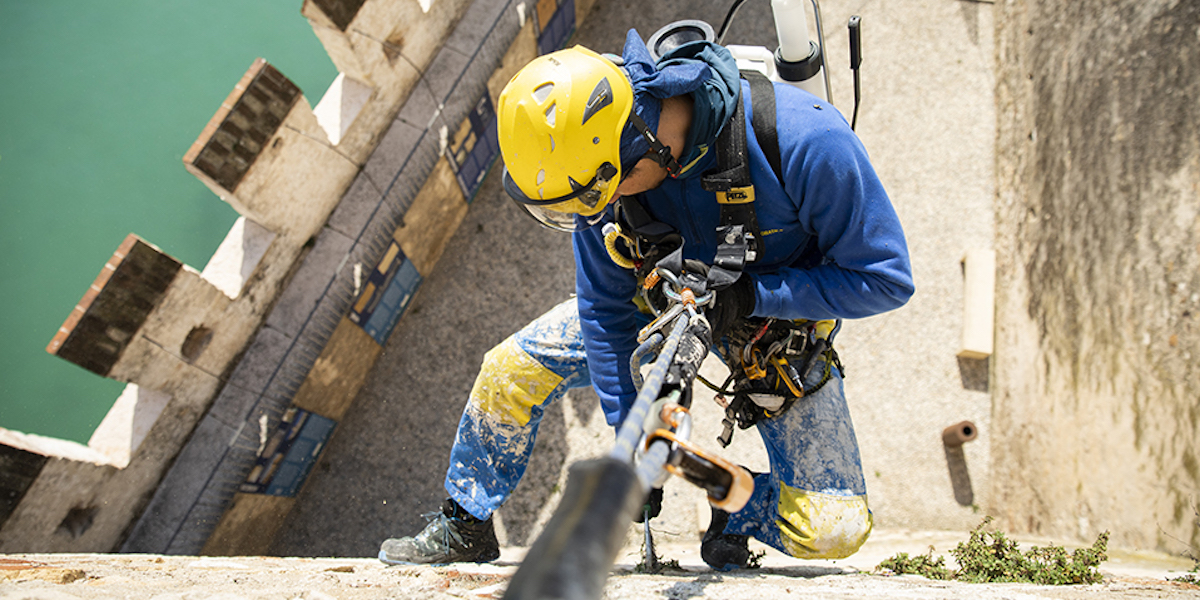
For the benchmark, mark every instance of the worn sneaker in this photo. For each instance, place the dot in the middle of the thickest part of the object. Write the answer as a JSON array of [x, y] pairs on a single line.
[[452, 535], [723, 551]]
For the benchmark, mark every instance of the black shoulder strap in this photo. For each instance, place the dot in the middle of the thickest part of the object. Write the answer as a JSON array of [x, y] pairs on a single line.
[[732, 170], [762, 97]]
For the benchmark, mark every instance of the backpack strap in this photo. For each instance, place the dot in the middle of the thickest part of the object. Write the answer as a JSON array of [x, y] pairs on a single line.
[[739, 235], [762, 95], [739, 240]]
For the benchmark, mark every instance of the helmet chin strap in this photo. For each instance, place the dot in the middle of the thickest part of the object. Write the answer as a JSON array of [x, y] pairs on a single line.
[[659, 153]]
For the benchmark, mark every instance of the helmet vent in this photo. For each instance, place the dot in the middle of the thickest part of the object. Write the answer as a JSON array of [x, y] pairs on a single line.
[[552, 143], [542, 92], [602, 95], [541, 177], [550, 114]]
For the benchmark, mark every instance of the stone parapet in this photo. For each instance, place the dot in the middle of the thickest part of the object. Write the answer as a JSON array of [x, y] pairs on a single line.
[[238, 373], [384, 47], [265, 153], [116, 305]]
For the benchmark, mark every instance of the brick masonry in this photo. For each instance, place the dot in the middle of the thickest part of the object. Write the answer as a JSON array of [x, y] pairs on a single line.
[[237, 133], [126, 291], [339, 12]]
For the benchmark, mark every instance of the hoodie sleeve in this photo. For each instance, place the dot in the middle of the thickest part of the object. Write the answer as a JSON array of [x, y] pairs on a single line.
[[608, 319], [839, 199]]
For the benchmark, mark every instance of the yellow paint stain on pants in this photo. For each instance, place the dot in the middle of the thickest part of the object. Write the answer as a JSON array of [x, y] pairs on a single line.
[[816, 525], [511, 383]]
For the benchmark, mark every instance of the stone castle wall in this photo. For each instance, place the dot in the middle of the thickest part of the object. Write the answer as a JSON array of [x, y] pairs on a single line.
[[238, 373]]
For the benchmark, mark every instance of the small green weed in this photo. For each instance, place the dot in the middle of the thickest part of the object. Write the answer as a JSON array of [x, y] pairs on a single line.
[[663, 565], [921, 564], [992, 557], [1192, 576]]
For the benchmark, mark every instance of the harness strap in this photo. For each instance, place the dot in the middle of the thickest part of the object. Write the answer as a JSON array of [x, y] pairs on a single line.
[[739, 238], [762, 92], [636, 220]]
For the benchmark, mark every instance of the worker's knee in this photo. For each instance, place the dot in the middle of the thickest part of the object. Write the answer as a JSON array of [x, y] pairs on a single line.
[[816, 525], [511, 383]]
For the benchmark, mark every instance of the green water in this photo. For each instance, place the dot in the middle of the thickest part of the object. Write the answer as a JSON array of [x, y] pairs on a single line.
[[98, 103]]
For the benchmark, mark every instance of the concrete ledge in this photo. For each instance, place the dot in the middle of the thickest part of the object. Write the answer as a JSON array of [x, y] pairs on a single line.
[[148, 575]]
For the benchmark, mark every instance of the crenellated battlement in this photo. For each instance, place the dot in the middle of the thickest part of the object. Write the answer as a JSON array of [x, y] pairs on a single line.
[[238, 372]]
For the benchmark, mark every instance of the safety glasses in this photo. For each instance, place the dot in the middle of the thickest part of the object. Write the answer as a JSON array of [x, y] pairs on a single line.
[[575, 211]]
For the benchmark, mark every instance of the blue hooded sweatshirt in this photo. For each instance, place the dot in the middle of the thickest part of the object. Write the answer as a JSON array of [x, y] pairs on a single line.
[[833, 245]]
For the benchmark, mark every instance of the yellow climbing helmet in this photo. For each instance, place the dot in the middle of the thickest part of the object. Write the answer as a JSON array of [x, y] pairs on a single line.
[[560, 122]]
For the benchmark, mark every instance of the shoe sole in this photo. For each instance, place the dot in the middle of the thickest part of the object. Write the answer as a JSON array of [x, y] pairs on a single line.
[[727, 568], [384, 559]]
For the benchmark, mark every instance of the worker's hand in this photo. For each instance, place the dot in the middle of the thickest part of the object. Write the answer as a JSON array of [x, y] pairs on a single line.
[[730, 304]]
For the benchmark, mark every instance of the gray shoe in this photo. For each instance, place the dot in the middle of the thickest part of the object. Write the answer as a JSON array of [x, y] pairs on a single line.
[[452, 535]]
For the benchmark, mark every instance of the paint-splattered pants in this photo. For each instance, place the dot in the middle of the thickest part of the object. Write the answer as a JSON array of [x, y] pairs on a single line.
[[812, 504]]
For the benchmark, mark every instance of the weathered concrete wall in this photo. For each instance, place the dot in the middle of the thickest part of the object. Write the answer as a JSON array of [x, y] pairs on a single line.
[[383, 48], [1096, 366]]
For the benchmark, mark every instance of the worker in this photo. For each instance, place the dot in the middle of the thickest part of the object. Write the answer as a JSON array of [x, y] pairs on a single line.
[[584, 135]]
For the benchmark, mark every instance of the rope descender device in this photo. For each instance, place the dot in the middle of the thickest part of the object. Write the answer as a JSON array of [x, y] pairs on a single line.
[[728, 486], [680, 296]]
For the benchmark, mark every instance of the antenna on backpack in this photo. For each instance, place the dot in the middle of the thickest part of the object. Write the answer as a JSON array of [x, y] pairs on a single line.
[[855, 26]]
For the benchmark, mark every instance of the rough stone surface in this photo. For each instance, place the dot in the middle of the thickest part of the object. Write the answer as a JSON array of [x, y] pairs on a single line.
[[1099, 271], [105, 577], [357, 207], [308, 286]]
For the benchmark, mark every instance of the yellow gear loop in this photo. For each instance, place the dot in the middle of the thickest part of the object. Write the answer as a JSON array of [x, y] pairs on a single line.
[[824, 328], [612, 233]]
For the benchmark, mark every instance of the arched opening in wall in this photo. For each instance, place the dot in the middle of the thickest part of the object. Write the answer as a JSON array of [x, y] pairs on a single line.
[[196, 341]]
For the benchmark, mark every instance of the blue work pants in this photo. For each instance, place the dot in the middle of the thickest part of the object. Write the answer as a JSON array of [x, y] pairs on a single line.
[[811, 504]]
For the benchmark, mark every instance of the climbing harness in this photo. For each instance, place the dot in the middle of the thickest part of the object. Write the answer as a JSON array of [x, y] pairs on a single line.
[[769, 362], [739, 237], [769, 359]]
